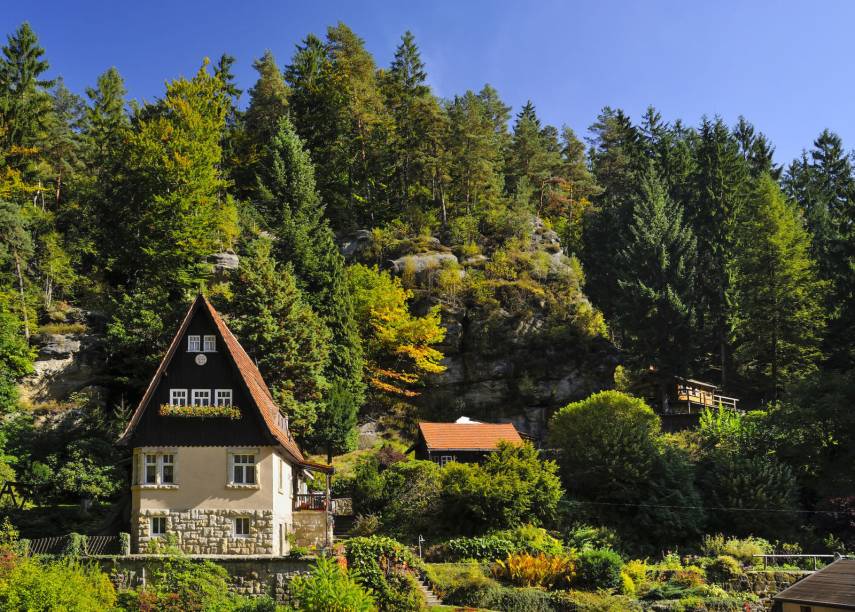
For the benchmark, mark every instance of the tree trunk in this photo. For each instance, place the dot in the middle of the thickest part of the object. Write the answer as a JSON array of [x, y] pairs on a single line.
[[22, 295]]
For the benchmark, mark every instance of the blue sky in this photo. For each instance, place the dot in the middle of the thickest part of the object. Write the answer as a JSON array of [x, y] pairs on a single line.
[[787, 66]]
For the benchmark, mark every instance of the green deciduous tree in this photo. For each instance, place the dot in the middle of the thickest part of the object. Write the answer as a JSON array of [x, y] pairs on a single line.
[[512, 487]]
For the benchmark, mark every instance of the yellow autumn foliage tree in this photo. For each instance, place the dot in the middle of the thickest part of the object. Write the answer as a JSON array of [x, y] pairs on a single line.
[[400, 346]]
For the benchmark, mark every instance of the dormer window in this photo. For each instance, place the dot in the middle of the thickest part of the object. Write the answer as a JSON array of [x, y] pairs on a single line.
[[194, 344], [210, 344]]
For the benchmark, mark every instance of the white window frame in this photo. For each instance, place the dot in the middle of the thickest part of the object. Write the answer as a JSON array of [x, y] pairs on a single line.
[[236, 531], [223, 397], [150, 461], [158, 520], [194, 343], [209, 343], [445, 460], [201, 394], [157, 461], [281, 475], [176, 399], [238, 464]]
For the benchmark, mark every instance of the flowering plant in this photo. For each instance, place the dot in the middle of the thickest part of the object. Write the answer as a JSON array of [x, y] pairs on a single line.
[[200, 412]]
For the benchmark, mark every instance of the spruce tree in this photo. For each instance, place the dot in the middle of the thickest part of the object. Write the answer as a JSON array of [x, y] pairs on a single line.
[[777, 317], [656, 279], [289, 342], [288, 199], [720, 186]]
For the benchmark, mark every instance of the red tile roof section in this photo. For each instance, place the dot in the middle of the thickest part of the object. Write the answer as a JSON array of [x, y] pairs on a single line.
[[249, 373], [468, 436]]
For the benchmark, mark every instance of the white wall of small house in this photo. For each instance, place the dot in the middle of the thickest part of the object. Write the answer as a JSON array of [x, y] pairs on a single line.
[[282, 503]]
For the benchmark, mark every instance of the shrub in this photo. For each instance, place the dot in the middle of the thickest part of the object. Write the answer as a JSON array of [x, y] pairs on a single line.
[[524, 569], [384, 566], [185, 584], [633, 576], [496, 597], [742, 550], [76, 546], [365, 525], [532, 539], [446, 578], [723, 569], [582, 536], [60, 585], [330, 588], [512, 487], [486, 548], [599, 569], [584, 601]]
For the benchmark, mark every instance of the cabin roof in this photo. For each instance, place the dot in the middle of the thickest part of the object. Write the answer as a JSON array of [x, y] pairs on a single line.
[[248, 372], [467, 436], [697, 383], [833, 585]]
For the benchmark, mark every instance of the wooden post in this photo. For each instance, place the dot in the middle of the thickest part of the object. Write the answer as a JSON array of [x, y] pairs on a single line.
[[329, 516]]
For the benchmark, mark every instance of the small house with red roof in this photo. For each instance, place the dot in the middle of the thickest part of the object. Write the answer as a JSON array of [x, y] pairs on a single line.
[[465, 441], [214, 463]]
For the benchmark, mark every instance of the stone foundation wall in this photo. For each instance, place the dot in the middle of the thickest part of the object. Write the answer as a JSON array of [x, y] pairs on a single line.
[[251, 576], [312, 528], [208, 532]]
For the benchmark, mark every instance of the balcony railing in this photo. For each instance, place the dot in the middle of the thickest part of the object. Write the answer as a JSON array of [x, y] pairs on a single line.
[[689, 403], [310, 501]]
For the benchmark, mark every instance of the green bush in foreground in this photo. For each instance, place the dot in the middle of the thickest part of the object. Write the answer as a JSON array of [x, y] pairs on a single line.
[[34, 585], [330, 588], [385, 566], [598, 569]]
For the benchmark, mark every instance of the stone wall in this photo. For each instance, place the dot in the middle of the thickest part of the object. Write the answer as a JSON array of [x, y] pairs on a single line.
[[312, 528], [209, 532], [251, 576]]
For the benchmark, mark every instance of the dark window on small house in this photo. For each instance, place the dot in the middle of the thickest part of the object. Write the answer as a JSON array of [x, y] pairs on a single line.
[[242, 527], [158, 525]]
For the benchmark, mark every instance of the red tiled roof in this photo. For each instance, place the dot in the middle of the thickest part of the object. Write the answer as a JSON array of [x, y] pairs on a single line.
[[248, 371], [467, 436]]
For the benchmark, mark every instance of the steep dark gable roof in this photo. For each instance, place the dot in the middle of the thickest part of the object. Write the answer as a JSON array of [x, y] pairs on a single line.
[[251, 377], [833, 585]]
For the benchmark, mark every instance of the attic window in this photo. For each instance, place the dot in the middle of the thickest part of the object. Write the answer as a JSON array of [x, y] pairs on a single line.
[[201, 397], [193, 344], [178, 397], [223, 397], [210, 344]]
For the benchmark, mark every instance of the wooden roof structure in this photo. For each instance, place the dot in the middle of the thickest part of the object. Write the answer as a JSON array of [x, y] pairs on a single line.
[[467, 436], [832, 586], [275, 424]]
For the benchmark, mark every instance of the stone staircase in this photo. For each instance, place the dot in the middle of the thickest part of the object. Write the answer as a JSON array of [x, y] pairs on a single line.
[[430, 597]]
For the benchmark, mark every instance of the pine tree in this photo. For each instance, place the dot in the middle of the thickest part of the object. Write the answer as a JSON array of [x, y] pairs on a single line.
[[656, 280], [618, 162], [777, 319], [288, 199], [756, 149], [824, 186], [416, 142], [25, 105], [268, 101], [534, 160]]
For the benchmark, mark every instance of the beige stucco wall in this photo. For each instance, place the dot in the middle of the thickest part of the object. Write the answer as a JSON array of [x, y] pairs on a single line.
[[795, 607], [201, 479], [202, 484]]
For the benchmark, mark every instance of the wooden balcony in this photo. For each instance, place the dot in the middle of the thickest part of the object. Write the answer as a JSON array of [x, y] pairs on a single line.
[[694, 403], [310, 501]]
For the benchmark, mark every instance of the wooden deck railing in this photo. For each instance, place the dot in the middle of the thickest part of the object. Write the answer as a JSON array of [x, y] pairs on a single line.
[[310, 501]]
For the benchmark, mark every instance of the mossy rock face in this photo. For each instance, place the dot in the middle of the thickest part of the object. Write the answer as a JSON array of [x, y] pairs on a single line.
[[765, 583]]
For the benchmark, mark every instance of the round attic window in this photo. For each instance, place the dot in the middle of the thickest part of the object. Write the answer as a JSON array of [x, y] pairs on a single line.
[[201, 359]]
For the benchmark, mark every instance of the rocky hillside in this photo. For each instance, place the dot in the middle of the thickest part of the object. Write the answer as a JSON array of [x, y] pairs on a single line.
[[522, 338]]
